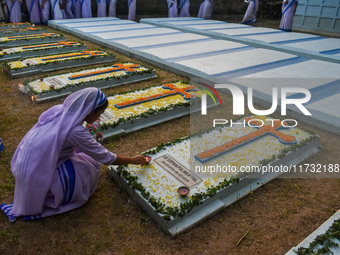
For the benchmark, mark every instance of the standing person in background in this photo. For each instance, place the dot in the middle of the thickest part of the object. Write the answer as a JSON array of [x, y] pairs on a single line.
[[1, 145], [206, 9], [56, 10], [2, 11], [250, 15], [14, 9], [132, 9], [69, 9], [172, 8], [86, 11], [5, 9], [33, 7], [288, 11], [101, 8], [184, 6], [112, 8], [77, 9], [45, 7]]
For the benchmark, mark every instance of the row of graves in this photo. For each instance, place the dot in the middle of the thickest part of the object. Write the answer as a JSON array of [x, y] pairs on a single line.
[[186, 180]]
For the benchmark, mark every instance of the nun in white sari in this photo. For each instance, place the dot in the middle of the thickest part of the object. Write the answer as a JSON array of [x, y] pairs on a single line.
[[57, 12], [86, 11], [288, 12], [250, 15], [206, 9], [184, 7], [132, 9], [112, 8], [172, 8]]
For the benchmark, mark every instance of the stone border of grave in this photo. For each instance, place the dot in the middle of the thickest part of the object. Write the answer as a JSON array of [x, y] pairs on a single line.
[[31, 70], [32, 41], [220, 200], [101, 84], [43, 52]]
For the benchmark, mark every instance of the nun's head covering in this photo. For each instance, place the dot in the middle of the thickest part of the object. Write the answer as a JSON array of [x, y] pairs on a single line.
[[35, 160]]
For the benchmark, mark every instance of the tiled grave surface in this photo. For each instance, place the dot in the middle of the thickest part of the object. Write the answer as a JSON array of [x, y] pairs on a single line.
[[218, 51], [295, 43]]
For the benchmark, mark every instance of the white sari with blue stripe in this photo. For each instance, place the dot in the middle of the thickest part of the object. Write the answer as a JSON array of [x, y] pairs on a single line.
[[67, 177], [57, 164]]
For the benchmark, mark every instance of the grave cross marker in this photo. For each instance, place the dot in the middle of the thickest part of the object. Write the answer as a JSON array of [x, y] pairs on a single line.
[[114, 68], [260, 132], [77, 54], [28, 36], [49, 45], [21, 29], [173, 91]]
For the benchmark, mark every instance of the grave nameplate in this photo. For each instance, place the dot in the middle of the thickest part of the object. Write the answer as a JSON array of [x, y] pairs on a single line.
[[177, 170]]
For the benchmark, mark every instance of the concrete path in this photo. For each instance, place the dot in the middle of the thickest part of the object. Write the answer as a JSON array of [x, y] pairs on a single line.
[[219, 52]]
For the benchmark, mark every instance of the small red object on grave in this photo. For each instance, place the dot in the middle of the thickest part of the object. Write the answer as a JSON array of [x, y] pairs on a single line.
[[52, 86], [147, 159], [183, 190]]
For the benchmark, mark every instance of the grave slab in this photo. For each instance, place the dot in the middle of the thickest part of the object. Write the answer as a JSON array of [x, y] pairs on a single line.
[[15, 25], [22, 31], [120, 33], [155, 41], [325, 46], [195, 50], [154, 186], [116, 27], [89, 22], [23, 40], [51, 87], [40, 50], [30, 66], [147, 107], [218, 66]]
